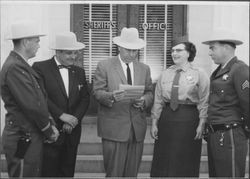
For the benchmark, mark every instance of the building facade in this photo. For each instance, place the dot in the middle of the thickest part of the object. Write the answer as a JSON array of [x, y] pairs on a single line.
[[159, 24]]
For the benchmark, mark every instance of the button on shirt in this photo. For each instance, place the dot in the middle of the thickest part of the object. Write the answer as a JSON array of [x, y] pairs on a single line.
[[124, 67], [193, 89], [65, 77]]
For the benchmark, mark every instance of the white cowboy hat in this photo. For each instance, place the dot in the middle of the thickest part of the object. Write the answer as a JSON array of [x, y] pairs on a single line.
[[224, 36], [66, 41], [24, 29], [129, 39]]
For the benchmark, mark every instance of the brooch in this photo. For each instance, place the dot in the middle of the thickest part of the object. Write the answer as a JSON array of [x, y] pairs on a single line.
[[189, 78], [225, 77]]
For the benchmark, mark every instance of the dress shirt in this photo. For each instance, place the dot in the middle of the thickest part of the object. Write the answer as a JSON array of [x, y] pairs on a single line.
[[193, 89], [124, 67], [65, 76], [227, 62]]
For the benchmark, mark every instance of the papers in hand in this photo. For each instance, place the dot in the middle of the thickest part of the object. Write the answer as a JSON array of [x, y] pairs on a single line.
[[132, 92]]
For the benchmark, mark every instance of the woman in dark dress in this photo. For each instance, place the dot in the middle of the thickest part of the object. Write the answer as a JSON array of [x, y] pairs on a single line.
[[178, 115]]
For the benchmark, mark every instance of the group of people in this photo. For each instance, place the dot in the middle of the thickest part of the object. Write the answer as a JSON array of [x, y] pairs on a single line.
[[45, 104]]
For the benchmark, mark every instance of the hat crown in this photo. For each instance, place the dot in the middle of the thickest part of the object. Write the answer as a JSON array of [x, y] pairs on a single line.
[[67, 41], [24, 29], [223, 35], [129, 35], [129, 39]]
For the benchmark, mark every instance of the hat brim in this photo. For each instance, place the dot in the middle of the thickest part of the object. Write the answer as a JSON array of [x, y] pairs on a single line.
[[77, 46], [24, 37], [138, 44], [236, 42]]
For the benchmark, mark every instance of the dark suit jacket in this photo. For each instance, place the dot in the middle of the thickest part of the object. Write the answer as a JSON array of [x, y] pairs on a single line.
[[77, 102], [229, 94], [27, 112], [114, 120], [24, 100]]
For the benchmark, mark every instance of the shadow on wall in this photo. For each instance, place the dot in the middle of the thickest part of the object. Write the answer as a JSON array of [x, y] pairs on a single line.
[[92, 110]]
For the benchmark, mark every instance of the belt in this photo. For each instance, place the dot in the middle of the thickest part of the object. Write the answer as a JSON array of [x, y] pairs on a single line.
[[222, 127], [183, 102]]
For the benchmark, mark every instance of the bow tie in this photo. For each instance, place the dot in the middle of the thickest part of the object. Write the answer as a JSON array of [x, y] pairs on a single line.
[[63, 66]]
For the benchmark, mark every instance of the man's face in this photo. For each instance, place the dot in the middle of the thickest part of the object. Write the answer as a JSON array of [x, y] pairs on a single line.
[[66, 57], [217, 52], [128, 55], [32, 46]]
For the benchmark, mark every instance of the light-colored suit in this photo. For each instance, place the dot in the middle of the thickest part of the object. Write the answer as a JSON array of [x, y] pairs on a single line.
[[116, 119]]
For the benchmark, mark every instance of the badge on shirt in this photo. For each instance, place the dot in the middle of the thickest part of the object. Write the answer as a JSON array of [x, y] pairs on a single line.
[[190, 79], [225, 77], [245, 85]]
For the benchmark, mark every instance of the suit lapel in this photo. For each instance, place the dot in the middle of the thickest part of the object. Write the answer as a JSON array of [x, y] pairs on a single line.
[[72, 81], [119, 70], [220, 72], [58, 77]]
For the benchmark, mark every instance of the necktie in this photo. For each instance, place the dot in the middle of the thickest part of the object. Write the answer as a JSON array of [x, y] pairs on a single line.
[[129, 80], [174, 92], [63, 66]]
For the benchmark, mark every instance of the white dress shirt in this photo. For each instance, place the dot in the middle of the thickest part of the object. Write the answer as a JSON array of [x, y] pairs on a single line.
[[124, 67], [65, 77]]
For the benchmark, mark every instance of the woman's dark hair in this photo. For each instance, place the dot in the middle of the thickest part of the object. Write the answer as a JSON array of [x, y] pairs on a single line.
[[191, 49]]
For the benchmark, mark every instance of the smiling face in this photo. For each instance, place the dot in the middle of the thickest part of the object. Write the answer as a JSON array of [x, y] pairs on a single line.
[[179, 54], [66, 57]]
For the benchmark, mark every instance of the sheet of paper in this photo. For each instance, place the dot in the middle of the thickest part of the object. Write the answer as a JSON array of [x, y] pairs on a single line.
[[132, 91]]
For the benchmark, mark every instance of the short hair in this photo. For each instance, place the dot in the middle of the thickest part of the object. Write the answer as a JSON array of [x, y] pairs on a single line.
[[191, 49], [16, 42], [227, 43]]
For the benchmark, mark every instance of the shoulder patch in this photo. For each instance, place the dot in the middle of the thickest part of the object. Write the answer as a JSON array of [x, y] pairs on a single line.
[[245, 85]]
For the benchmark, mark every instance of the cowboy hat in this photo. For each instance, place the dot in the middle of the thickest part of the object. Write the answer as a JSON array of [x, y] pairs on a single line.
[[129, 39], [66, 41], [224, 36], [24, 29]]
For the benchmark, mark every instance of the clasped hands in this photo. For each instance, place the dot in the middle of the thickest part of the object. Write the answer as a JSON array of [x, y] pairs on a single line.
[[139, 103], [70, 122]]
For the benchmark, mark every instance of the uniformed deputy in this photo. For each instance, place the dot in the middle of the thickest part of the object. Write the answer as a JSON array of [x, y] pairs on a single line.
[[27, 121], [228, 108], [178, 115]]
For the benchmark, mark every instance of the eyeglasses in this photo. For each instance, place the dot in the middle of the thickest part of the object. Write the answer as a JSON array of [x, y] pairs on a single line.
[[177, 50]]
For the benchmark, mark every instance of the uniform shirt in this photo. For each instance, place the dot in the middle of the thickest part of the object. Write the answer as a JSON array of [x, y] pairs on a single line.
[[193, 89], [229, 94], [65, 77], [124, 67]]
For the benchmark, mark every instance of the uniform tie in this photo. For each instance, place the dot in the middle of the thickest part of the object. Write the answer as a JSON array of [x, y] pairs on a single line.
[[174, 92], [129, 80]]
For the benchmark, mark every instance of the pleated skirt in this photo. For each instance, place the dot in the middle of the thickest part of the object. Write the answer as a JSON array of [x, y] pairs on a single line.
[[176, 153]]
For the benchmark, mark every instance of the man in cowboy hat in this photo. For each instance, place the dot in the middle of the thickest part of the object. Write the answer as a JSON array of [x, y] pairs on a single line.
[[122, 122], [68, 100], [228, 109], [27, 121]]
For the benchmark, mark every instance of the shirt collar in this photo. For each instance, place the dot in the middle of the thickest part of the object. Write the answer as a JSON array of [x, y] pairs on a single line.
[[227, 62]]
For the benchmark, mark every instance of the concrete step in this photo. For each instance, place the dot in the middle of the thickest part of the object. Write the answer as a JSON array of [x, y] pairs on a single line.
[[102, 175], [94, 164]]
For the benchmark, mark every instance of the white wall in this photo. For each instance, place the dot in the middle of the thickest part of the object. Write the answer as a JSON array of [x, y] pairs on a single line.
[[204, 19], [52, 18]]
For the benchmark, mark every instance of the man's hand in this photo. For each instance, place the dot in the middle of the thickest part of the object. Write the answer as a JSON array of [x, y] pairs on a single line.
[[139, 103], [54, 136], [118, 95], [69, 119], [67, 128]]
